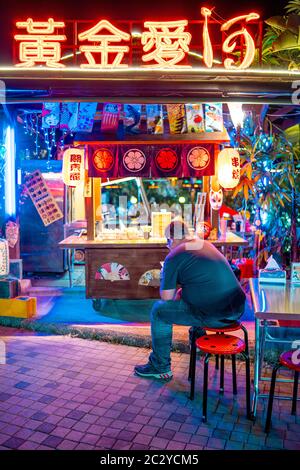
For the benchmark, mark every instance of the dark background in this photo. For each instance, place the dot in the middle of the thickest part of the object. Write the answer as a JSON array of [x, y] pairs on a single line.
[[13, 10]]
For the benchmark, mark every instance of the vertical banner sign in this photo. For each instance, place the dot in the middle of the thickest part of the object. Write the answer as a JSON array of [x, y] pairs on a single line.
[[86, 114], [73, 167], [194, 118], [154, 119], [177, 119], [50, 115], [42, 198], [68, 116], [214, 117], [132, 118], [4, 257], [110, 117]]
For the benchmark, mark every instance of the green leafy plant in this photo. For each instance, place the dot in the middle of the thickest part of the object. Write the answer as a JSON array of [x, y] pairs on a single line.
[[270, 181], [281, 41]]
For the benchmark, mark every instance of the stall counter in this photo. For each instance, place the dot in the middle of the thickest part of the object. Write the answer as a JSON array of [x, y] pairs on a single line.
[[128, 269]]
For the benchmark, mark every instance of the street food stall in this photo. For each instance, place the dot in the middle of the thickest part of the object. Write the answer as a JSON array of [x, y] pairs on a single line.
[[113, 101], [125, 261]]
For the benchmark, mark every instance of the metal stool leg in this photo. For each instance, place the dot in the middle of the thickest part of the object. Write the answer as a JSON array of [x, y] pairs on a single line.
[[271, 398], [205, 386], [248, 386], [295, 393], [192, 369], [222, 375], [234, 384], [217, 362]]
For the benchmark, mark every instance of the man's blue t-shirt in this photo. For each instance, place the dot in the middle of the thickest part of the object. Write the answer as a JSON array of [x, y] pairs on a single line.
[[207, 280]]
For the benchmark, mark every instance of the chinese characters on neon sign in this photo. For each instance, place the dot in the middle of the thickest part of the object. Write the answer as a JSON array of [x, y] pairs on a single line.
[[165, 44]]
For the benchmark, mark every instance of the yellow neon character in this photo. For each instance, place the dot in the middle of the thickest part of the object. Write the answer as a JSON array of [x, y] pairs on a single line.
[[112, 35], [230, 43], [40, 45], [166, 43], [208, 55]]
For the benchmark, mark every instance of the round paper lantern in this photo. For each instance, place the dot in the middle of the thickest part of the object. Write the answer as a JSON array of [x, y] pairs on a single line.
[[4, 257], [229, 168]]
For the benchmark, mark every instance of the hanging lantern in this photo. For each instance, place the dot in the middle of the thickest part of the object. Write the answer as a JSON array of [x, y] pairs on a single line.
[[4, 258], [229, 168], [73, 167]]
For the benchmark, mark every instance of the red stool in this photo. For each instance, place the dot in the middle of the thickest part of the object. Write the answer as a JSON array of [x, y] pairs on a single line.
[[220, 344], [285, 360]]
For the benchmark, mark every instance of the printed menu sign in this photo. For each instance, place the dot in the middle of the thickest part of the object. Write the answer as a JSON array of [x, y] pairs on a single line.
[[42, 198]]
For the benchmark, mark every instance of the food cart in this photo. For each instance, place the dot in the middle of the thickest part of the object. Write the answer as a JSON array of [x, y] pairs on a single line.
[[125, 262]]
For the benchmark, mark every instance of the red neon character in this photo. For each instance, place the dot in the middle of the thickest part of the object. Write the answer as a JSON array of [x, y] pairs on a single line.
[[230, 43], [40, 45], [111, 35], [166, 43]]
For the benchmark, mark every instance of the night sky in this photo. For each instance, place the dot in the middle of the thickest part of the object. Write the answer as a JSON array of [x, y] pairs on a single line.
[[14, 10]]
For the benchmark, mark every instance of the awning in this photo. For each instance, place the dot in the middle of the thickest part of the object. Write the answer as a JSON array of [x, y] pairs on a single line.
[[144, 85]]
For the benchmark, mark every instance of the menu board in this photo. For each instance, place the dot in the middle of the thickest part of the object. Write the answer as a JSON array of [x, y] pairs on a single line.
[[42, 198]]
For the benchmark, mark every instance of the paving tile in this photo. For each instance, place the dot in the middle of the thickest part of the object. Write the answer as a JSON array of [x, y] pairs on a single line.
[[122, 445], [106, 442], [13, 443], [40, 416], [291, 445], [5, 396], [76, 414], [159, 442], [22, 385], [52, 441], [216, 443], [46, 428], [81, 404], [125, 435], [66, 445]]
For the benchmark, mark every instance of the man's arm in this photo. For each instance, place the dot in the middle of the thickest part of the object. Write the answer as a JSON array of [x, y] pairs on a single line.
[[169, 280], [167, 294]]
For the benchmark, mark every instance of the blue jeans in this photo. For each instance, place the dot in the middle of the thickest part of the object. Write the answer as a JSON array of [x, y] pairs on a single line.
[[163, 315]]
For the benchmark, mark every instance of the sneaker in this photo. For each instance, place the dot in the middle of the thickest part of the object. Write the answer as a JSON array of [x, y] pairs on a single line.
[[148, 370]]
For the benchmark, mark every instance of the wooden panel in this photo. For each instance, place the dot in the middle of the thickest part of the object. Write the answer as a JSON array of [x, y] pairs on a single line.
[[136, 261]]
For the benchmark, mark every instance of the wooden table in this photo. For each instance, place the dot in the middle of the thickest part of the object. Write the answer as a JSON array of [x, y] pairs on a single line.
[[271, 302]]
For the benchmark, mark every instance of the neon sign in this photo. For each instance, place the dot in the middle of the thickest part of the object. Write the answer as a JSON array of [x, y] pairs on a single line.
[[161, 44], [41, 45]]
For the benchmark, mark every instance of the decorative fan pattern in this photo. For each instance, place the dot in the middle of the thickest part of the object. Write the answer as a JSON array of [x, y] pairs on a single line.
[[112, 272]]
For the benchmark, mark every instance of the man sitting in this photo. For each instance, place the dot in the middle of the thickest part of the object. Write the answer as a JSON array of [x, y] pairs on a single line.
[[211, 295]]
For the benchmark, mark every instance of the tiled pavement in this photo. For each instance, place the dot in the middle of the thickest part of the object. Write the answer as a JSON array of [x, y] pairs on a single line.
[[64, 393]]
